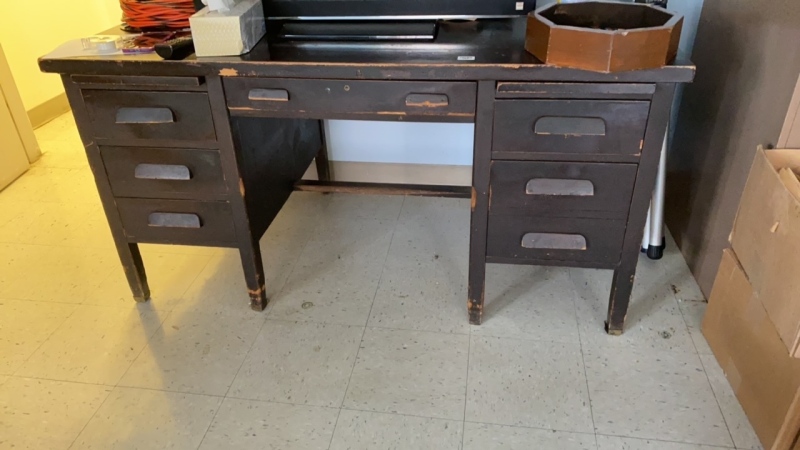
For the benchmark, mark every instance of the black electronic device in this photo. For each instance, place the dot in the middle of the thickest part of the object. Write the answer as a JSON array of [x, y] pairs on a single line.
[[359, 31], [394, 9], [175, 49]]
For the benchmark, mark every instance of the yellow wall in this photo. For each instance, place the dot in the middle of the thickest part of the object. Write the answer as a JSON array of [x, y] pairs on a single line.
[[32, 28]]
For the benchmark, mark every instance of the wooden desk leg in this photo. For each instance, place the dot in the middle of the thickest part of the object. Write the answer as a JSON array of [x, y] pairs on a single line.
[[622, 284], [480, 200], [133, 266], [254, 276], [323, 164], [621, 289]]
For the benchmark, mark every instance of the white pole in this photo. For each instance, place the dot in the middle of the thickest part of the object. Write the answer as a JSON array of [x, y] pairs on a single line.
[[655, 249]]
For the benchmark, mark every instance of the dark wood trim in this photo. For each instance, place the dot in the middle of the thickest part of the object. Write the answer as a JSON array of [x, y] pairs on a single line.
[[390, 116], [129, 254], [584, 91], [111, 87], [231, 162], [479, 222], [129, 82], [564, 157], [170, 143], [624, 275], [322, 161], [344, 187], [363, 71], [549, 262]]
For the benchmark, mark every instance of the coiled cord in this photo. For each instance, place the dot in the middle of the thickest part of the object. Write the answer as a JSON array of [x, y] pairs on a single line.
[[157, 14]]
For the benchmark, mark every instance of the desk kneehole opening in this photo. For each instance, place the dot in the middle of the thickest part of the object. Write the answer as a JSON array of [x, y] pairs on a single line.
[[174, 220], [554, 241]]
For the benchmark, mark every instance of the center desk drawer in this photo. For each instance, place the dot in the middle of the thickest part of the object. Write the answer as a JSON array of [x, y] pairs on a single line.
[[570, 126], [538, 239], [351, 98], [177, 222], [164, 172], [562, 189], [142, 115]]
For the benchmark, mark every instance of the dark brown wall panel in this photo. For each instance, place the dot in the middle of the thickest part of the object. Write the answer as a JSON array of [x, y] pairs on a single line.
[[748, 60]]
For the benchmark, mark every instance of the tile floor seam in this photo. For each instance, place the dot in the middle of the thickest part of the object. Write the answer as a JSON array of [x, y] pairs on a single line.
[[466, 392], [585, 372], [44, 341], [523, 427], [344, 408], [663, 440], [291, 271], [144, 347], [317, 322], [214, 417], [233, 397], [716, 399], [83, 428], [19, 377], [519, 339], [364, 332], [169, 391], [686, 323], [17, 299], [708, 379], [182, 297]]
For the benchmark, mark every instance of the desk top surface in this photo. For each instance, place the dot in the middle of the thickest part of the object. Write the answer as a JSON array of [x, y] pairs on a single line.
[[483, 50]]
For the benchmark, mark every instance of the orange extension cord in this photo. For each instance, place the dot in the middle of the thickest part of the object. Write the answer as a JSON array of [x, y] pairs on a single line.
[[157, 14]]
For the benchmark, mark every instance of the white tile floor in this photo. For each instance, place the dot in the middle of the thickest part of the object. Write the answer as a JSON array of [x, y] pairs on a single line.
[[366, 344]]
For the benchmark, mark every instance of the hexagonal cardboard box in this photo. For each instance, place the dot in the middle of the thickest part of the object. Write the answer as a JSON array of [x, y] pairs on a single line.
[[604, 36]]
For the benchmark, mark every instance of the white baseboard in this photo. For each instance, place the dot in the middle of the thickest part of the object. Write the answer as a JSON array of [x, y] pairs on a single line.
[[365, 172], [49, 110]]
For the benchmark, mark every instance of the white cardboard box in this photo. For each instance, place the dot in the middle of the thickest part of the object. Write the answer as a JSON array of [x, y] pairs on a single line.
[[228, 33]]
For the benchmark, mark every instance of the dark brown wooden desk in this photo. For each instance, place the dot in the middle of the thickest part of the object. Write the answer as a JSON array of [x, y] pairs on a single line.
[[207, 151]]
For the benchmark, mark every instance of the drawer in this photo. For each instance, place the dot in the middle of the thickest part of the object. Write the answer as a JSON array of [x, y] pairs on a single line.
[[538, 239], [558, 189], [142, 115], [164, 172], [354, 99], [570, 126], [177, 222]]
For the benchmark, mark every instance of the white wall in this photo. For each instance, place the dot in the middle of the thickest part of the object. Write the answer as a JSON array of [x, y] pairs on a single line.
[[393, 142], [32, 28], [444, 144]]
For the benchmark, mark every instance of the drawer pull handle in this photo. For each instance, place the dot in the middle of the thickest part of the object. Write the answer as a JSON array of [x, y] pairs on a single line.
[[554, 186], [570, 126], [269, 95], [162, 172], [145, 115], [554, 241], [427, 100], [174, 220]]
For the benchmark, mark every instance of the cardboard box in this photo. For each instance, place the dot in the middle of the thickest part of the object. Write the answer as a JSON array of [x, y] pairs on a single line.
[[744, 341], [228, 33], [766, 239]]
